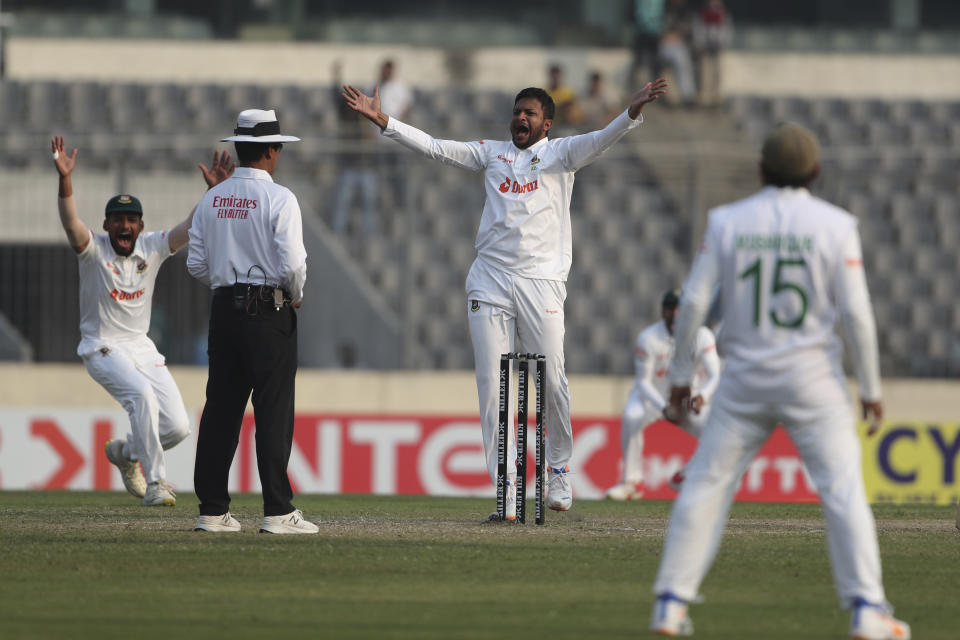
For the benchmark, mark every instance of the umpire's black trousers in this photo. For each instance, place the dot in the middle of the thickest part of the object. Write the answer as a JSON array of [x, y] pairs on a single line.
[[247, 353]]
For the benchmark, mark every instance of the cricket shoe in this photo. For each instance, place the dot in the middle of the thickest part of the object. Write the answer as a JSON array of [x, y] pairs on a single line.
[[130, 471], [292, 522], [625, 491], [874, 622], [159, 495], [559, 492], [217, 524], [669, 616], [676, 480], [510, 505]]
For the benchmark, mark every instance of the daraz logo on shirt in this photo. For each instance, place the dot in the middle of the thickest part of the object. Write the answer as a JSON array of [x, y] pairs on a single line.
[[119, 295], [515, 187]]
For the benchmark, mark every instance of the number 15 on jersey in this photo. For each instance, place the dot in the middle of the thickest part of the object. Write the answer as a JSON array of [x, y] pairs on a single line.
[[785, 301]]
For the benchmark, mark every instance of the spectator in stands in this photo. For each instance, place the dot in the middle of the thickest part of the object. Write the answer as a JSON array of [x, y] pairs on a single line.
[[648, 27], [600, 105], [712, 32], [569, 113], [395, 95], [675, 49], [356, 141], [118, 271]]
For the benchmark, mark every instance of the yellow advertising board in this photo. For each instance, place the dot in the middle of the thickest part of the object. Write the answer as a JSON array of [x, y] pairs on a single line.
[[912, 462]]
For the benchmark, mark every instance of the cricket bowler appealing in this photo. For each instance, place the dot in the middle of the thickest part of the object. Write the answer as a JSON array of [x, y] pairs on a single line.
[[516, 287]]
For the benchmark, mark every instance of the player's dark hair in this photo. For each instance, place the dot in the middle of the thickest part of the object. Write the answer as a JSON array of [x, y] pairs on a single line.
[[546, 102], [250, 152], [775, 179]]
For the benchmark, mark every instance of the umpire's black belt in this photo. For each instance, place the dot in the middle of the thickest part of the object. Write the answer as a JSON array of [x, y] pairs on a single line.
[[250, 297]]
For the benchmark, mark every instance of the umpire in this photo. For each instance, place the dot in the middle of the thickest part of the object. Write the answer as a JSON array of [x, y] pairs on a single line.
[[246, 243]]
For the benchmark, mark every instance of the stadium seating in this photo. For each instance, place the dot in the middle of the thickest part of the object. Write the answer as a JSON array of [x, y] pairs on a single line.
[[893, 164]]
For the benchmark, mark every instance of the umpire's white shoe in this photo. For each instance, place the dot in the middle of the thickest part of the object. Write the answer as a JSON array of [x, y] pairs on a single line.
[[293, 522], [874, 622], [159, 495], [559, 492], [217, 524], [130, 471], [669, 616]]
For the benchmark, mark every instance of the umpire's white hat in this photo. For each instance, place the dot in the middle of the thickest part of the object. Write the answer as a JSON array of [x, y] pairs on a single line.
[[258, 125]]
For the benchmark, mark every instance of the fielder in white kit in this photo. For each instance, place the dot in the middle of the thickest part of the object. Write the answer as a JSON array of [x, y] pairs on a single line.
[[118, 271], [648, 397], [789, 266], [516, 286]]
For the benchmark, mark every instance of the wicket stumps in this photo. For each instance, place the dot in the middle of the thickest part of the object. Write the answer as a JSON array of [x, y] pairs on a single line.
[[503, 430]]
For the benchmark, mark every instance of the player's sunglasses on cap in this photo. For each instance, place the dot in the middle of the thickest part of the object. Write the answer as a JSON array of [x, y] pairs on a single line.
[[258, 125], [123, 203]]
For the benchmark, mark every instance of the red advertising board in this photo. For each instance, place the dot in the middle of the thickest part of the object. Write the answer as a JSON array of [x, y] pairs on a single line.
[[383, 454]]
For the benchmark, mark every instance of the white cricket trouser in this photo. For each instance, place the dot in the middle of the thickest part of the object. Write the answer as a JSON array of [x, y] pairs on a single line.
[[522, 315], [826, 439], [636, 418], [136, 375]]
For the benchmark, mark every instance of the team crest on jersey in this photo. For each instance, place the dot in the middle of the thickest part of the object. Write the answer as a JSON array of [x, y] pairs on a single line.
[[474, 305], [141, 266], [535, 161]]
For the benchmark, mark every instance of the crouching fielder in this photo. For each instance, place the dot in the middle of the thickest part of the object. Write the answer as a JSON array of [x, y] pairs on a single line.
[[789, 266], [118, 271], [648, 398]]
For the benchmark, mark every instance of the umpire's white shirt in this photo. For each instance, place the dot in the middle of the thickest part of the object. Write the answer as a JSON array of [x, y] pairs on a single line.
[[244, 221], [789, 266], [116, 292], [525, 226]]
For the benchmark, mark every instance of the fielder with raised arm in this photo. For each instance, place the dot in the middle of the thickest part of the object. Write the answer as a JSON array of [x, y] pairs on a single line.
[[648, 397], [118, 270], [516, 287], [789, 267]]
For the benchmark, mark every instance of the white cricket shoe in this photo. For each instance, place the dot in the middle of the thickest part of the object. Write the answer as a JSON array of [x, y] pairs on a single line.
[[669, 616], [217, 524], [293, 522], [874, 622], [559, 492], [130, 471], [159, 495], [510, 505], [625, 491]]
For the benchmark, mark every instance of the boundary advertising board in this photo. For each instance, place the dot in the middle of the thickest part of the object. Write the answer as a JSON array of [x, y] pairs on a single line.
[[907, 462]]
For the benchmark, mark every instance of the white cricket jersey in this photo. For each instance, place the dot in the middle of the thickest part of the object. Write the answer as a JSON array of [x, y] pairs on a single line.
[[116, 292], [789, 265], [525, 225], [655, 351], [249, 229]]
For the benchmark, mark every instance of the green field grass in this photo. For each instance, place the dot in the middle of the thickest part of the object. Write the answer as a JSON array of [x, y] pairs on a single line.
[[97, 565]]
